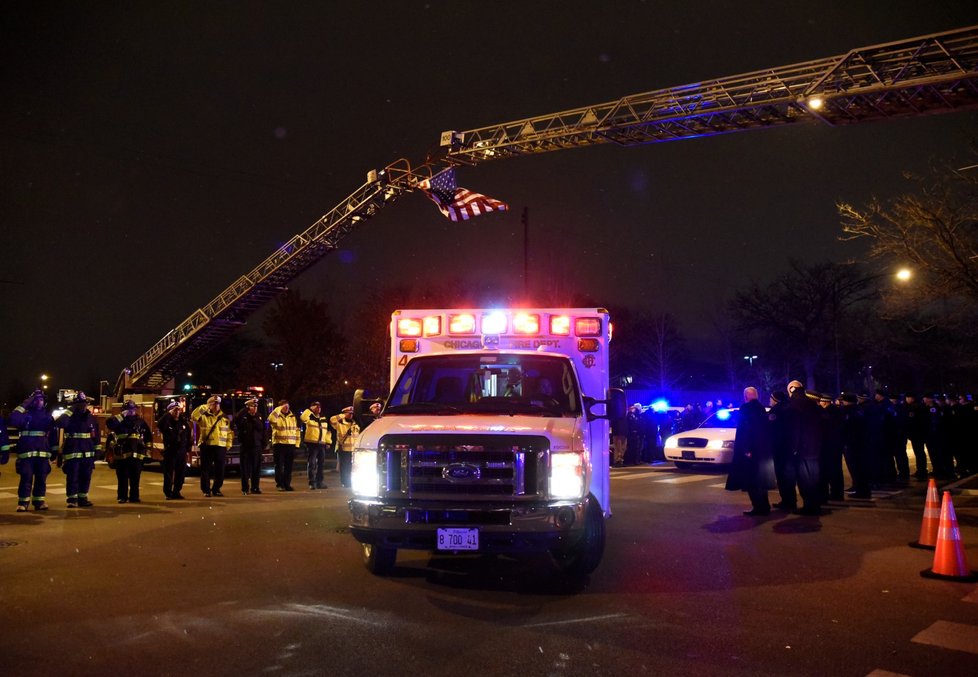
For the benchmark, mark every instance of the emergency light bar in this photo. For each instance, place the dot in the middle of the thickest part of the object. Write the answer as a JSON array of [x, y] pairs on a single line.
[[498, 323]]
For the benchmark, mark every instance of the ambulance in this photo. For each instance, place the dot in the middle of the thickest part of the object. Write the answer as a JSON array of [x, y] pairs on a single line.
[[494, 437]]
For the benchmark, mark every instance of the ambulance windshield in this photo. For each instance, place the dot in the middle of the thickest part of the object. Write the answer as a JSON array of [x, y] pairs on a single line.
[[488, 383]]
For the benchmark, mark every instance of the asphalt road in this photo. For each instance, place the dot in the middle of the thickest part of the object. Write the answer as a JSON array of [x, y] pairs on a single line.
[[274, 584]]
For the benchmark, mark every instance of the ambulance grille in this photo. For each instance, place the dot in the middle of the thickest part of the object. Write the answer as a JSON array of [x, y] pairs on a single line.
[[449, 466]]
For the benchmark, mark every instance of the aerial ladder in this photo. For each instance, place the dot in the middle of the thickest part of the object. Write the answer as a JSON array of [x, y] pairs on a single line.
[[919, 76]]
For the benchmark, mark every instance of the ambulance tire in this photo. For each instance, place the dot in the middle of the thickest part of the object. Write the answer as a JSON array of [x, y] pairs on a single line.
[[585, 555], [379, 561]]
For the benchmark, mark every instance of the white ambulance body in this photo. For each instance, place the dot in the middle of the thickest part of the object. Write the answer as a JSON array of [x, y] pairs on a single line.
[[494, 437]]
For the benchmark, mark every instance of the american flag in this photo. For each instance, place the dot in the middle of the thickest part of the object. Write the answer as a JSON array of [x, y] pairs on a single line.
[[458, 204]]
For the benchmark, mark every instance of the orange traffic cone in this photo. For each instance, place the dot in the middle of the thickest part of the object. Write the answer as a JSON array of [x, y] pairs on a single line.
[[931, 521], [949, 560]]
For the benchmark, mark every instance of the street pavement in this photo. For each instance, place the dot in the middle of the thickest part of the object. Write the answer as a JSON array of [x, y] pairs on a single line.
[[274, 584]]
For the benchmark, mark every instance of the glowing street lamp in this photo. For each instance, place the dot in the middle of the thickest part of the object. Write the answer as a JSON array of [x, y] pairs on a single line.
[[750, 359], [44, 381]]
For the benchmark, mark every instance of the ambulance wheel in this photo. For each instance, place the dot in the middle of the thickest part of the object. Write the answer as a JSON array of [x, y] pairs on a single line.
[[585, 555], [379, 561]]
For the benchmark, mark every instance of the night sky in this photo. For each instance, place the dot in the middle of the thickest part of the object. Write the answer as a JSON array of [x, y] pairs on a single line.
[[154, 152]]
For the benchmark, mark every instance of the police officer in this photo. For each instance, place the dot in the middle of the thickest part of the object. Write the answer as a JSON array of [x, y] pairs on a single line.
[[133, 438], [831, 480], [915, 427], [285, 440], [252, 434], [77, 458], [936, 439], [177, 436], [784, 469], [37, 436], [805, 440], [854, 446], [346, 432], [214, 440], [316, 437]]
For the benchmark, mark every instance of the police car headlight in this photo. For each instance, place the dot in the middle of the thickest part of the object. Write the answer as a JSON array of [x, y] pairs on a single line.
[[721, 444], [364, 478], [670, 441], [567, 475]]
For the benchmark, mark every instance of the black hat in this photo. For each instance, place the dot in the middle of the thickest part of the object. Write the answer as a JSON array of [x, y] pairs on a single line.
[[913, 395], [883, 392], [863, 396], [824, 398], [848, 397], [779, 396]]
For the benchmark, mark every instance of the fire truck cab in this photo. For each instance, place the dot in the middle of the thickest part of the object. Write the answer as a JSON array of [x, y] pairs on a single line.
[[494, 437]]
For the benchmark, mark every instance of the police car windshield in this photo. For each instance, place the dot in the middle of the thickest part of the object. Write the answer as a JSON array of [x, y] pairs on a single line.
[[487, 383], [725, 418]]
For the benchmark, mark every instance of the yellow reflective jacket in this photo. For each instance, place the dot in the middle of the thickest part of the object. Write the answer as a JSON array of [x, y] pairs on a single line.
[[285, 427], [347, 432], [317, 428], [212, 429]]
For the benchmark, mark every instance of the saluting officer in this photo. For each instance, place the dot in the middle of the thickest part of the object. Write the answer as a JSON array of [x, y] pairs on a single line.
[[214, 440], [177, 436], [347, 431], [37, 436], [316, 437], [285, 440], [252, 434], [133, 438], [77, 459]]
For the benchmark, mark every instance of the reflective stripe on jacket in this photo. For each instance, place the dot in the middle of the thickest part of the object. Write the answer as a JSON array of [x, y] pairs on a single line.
[[346, 432], [285, 427], [81, 435], [317, 428], [212, 429]]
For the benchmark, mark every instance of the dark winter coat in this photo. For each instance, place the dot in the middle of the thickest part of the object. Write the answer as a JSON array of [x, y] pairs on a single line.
[[753, 437]]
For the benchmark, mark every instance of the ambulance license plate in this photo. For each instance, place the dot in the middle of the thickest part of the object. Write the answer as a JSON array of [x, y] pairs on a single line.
[[458, 539]]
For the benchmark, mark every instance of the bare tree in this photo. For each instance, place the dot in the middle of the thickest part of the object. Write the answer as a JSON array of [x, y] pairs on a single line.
[[800, 315], [933, 229]]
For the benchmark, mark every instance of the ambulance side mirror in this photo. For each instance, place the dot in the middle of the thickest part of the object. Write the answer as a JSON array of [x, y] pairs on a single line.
[[362, 400], [615, 410]]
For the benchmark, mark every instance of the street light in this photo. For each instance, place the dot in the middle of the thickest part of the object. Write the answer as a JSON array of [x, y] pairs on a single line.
[[44, 378], [750, 359], [901, 275]]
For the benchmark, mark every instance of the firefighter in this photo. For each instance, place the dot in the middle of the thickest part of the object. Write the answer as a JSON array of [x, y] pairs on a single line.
[[177, 435], [214, 440], [316, 437], [285, 439], [252, 433], [77, 458], [347, 431], [132, 440], [37, 436]]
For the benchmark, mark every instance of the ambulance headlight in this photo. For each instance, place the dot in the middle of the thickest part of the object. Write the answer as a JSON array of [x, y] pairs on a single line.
[[567, 475], [365, 479]]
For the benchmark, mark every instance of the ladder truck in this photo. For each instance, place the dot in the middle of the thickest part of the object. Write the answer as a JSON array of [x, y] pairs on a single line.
[[917, 76]]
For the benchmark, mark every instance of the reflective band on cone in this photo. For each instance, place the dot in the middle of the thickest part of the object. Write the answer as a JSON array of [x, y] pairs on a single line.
[[950, 563], [932, 518]]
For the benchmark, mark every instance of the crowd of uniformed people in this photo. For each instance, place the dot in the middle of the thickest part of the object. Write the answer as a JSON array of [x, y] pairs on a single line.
[[809, 437], [71, 442]]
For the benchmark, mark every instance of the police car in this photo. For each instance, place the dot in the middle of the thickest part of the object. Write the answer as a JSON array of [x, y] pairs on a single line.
[[712, 443]]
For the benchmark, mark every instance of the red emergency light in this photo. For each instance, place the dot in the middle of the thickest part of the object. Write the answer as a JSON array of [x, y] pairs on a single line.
[[526, 323], [463, 323], [409, 326]]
